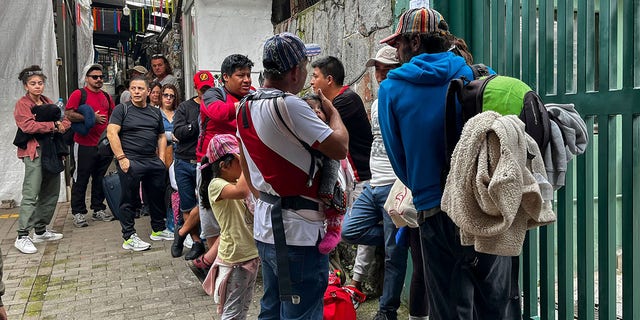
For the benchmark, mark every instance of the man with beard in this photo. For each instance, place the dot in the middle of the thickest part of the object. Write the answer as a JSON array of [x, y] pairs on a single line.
[[88, 162], [461, 283]]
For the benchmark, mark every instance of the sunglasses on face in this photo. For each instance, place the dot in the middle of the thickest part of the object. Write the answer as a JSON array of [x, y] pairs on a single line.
[[168, 96], [96, 76]]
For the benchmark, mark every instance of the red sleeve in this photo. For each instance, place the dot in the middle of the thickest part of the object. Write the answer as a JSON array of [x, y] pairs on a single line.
[[219, 110], [74, 100], [26, 121]]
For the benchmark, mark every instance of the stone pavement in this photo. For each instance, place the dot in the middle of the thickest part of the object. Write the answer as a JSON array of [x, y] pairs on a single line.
[[87, 275]]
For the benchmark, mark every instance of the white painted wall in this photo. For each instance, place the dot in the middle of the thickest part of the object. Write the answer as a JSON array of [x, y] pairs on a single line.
[[214, 29]]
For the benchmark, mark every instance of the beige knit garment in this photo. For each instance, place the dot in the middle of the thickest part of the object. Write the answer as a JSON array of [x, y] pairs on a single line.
[[493, 189]]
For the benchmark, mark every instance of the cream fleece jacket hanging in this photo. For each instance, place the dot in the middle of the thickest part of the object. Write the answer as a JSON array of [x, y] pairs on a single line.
[[493, 191]]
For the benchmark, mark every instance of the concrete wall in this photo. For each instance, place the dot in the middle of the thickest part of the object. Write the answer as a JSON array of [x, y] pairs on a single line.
[[347, 29]]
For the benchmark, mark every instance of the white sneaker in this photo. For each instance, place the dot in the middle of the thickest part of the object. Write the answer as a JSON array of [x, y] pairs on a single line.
[[161, 235], [188, 242], [25, 245], [135, 243], [48, 235]]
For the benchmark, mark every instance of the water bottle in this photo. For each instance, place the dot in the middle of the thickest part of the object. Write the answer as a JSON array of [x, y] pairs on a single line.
[[60, 105]]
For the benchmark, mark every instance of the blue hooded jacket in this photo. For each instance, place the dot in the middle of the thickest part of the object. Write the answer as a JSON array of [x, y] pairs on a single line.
[[411, 104]]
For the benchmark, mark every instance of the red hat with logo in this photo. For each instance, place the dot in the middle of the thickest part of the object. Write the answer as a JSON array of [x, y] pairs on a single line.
[[203, 78]]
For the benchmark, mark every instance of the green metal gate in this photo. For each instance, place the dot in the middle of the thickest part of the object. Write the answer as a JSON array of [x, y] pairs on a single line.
[[586, 53]]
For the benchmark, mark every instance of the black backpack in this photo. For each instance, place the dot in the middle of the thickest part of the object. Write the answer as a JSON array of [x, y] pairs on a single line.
[[505, 95]]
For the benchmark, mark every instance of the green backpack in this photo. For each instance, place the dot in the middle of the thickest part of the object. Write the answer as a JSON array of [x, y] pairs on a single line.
[[505, 95]]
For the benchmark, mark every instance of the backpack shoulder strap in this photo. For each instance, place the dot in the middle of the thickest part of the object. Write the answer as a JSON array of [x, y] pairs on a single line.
[[126, 109], [224, 94], [108, 96], [158, 114], [314, 153], [450, 127], [83, 96]]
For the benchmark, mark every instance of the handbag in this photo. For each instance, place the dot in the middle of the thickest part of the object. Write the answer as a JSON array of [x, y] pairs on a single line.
[[399, 206], [104, 147]]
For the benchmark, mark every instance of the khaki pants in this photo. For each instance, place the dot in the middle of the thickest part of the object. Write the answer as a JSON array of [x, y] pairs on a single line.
[[40, 190]]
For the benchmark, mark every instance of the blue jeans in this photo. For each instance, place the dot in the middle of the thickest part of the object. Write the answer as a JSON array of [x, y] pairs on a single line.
[[186, 181], [362, 226], [309, 271]]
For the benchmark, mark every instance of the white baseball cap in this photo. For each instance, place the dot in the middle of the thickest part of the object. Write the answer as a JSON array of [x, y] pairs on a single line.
[[386, 55]]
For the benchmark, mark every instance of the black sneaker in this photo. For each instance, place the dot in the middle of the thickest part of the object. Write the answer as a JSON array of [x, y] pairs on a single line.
[[196, 250], [178, 243], [201, 274], [381, 315]]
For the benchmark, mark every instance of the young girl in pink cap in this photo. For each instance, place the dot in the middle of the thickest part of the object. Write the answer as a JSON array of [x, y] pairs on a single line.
[[232, 277]]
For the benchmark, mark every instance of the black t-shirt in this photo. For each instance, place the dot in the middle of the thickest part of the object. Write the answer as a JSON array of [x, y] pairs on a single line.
[[355, 119], [139, 131]]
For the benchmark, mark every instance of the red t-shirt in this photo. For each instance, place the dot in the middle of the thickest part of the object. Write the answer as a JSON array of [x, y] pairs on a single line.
[[98, 101]]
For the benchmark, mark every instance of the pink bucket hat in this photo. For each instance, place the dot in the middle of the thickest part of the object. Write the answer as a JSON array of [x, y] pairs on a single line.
[[221, 145]]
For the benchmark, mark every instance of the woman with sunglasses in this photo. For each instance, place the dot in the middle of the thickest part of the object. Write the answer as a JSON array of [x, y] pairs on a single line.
[[170, 100], [155, 94], [40, 188]]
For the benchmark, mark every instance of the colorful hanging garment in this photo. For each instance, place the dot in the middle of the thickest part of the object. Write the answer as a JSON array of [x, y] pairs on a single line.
[[153, 8], [78, 20], [161, 12], [95, 16]]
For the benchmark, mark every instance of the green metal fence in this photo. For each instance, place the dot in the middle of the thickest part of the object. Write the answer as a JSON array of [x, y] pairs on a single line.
[[586, 53]]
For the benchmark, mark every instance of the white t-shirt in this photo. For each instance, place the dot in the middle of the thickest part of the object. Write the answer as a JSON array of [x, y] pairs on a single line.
[[279, 164], [381, 170]]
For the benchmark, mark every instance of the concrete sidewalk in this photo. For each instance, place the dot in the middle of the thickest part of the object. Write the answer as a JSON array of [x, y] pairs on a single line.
[[87, 275]]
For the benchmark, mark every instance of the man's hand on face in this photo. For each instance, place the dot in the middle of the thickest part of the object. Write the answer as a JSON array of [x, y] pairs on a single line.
[[327, 106]]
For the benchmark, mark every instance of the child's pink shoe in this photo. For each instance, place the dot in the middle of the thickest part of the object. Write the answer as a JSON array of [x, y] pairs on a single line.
[[334, 227], [329, 242]]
